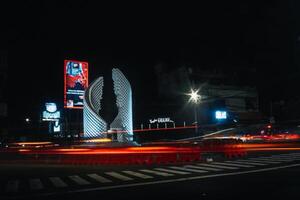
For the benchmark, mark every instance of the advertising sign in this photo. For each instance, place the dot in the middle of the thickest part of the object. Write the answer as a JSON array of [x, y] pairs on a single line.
[[56, 127], [221, 114], [161, 120], [75, 83], [51, 113]]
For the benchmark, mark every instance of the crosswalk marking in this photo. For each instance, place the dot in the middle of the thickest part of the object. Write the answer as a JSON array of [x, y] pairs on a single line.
[[286, 156], [99, 178], [234, 165], [57, 182], [279, 159], [204, 168], [172, 171], [264, 160], [79, 180], [189, 170], [12, 186], [156, 172], [218, 166], [119, 176], [137, 174], [35, 184], [250, 162]]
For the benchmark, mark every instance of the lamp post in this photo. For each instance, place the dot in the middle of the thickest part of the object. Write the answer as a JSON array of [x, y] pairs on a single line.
[[195, 98]]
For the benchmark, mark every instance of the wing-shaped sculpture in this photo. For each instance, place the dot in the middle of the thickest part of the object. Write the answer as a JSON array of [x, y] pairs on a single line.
[[94, 125], [123, 120]]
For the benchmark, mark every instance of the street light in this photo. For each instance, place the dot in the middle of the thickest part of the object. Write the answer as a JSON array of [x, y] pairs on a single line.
[[195, 98]]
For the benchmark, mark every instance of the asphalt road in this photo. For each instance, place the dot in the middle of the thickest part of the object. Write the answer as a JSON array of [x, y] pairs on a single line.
[[270, 176]]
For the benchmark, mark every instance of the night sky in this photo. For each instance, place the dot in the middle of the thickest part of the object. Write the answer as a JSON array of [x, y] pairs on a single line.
[[41, 34]]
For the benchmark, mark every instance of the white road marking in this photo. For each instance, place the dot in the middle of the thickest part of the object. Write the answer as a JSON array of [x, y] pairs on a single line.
[[35, 184], [286, 156], [260, 163], [217, 166], [12, 186], [264, 160], [234, 165], [280, 159], [137, 174], [246, 162], [79, 180], [172, 171], [189, 169], [119, 176], [57, 182], [163, 181], [156, 172], [204, 168], [99, 178]]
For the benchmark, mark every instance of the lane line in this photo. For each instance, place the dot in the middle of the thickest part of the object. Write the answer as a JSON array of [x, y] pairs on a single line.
[[217, 166], [79, 180], [282, 156], [203, 168], [35, 184], [156, 172], [119, 176], [157, 182], [189, 170], [12, 186], [57, 182], [234, 165], [280, 159], [98, 178], [246, 162], [253, 161], [264, 160], [172, 171], [137, 174]]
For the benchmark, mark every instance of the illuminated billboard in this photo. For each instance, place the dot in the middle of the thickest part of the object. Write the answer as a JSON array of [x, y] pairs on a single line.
[[75, 83], [221, 114], [51, 113]]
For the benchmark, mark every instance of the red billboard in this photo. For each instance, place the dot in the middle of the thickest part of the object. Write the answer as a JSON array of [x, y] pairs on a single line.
[[75, 83]]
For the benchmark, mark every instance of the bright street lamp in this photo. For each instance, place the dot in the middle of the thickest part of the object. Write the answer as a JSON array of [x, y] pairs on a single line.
[[195, 98]]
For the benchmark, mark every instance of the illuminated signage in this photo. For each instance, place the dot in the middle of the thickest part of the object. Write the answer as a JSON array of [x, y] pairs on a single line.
[[161, 120], [51, 113], [56, 127], [75, 83], [221, 114]]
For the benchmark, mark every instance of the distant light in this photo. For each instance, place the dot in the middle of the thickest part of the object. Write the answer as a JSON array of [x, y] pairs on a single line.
[[27, 120], [194, 96], [221, 114], [269, 126]]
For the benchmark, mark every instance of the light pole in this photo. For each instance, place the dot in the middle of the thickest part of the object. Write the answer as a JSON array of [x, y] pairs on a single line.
[[195, 98]]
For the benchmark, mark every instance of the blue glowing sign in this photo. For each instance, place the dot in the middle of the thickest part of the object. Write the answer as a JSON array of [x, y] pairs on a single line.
[[51, 113], [221, 114], [56, 127]]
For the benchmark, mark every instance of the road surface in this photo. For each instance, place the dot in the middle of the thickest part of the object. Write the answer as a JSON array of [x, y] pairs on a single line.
[[273, 175]]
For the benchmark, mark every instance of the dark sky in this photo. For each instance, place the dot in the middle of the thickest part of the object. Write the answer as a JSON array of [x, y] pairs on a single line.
[[41, 34]]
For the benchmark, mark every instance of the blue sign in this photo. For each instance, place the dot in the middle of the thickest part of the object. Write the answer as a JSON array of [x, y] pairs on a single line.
[[51, 113], [221, 114]]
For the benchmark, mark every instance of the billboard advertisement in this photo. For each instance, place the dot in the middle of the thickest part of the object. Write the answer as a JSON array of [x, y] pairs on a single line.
[[51, 113], [221, 114], [75, 83]]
